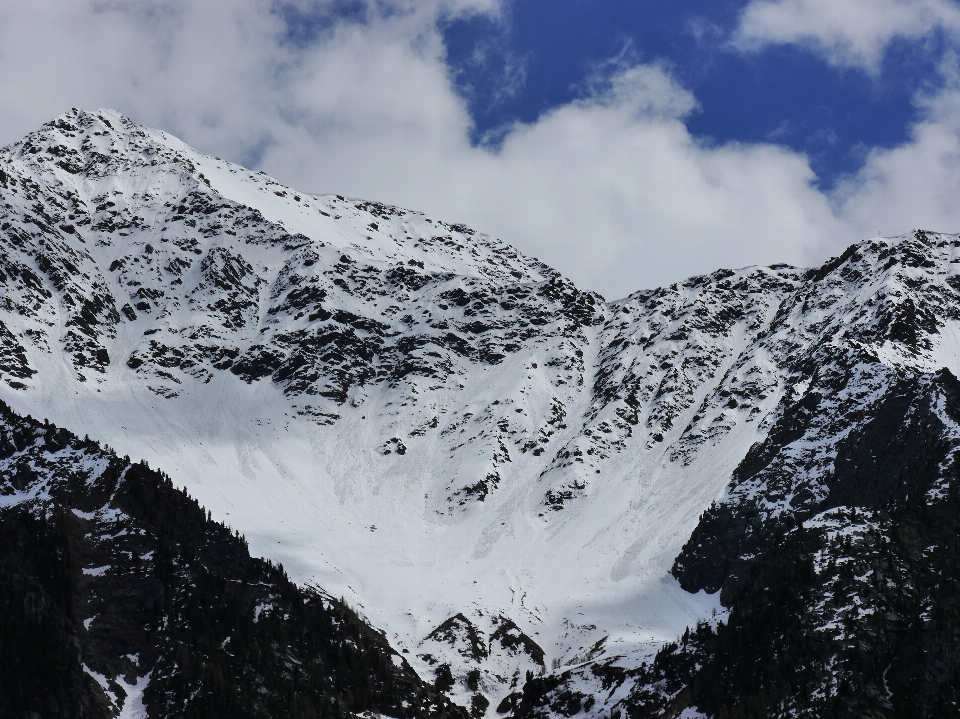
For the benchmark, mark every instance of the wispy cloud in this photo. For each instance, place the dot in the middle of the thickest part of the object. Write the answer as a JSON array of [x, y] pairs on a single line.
[[846, 33]]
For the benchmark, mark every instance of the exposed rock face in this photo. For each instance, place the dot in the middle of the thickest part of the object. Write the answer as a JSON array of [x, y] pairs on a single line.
[[857, 375], [381, 399], [845, 610]]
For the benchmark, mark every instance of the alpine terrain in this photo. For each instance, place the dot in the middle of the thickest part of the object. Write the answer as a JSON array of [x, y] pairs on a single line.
[[477, 490]]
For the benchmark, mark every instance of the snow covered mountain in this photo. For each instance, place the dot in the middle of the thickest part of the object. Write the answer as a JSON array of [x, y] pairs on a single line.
[[504, 473], [123, 598]]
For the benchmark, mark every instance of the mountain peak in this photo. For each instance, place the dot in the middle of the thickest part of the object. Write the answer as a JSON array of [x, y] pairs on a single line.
[[423, 420]]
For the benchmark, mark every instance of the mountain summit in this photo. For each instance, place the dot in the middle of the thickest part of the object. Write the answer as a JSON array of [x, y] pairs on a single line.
[[531, 490]]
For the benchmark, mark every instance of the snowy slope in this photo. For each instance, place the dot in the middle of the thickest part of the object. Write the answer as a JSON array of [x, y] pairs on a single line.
[[123, 599], [496, 468]]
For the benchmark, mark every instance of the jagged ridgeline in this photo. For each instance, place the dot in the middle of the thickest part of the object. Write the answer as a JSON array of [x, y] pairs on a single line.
[[118, 592], [533, 491]]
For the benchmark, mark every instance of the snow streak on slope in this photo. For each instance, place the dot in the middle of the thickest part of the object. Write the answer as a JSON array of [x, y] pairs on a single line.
[[495, 467]]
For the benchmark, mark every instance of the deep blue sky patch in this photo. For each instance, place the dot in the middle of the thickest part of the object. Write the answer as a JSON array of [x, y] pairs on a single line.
[[543, 52]]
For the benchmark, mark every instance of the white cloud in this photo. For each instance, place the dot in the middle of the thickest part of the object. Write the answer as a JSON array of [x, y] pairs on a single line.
[[611, 189], [203, 70], [916, 184], [845, 32]]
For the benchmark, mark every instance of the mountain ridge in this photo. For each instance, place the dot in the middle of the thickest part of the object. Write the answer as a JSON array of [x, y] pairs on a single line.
[[416, 416]]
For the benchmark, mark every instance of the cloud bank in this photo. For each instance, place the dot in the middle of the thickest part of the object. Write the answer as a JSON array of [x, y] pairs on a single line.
[[611, 189]]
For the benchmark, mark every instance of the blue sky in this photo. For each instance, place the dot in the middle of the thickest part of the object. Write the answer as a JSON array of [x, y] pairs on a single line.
[[542, 53], [628, 144]]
